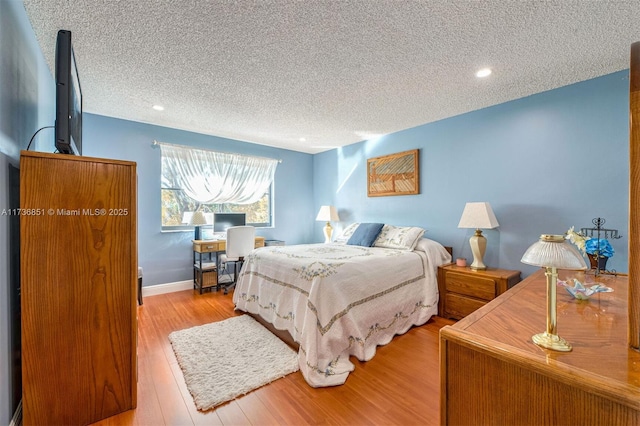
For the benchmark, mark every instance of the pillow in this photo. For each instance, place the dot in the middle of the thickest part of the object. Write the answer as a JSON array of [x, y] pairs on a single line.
[[399, 237], [365, 234], [435, 252], [346, 233]]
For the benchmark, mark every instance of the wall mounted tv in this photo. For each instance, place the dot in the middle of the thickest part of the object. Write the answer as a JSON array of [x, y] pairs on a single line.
[[68, 98]]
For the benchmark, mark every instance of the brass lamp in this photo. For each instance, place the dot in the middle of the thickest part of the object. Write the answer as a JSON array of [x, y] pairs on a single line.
[[478, 215], [553, 252], [328, 214], [197, 220]]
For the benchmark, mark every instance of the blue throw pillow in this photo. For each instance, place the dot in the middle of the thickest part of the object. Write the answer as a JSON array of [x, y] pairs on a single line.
[[365, 234]]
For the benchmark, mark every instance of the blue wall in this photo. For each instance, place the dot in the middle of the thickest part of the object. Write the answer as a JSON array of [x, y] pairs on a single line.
[[27, 95], [167, 256], [545, 163]]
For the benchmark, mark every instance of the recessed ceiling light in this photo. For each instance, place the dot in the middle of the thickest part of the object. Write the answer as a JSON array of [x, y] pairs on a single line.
[[484, 72], [302, 139], [158, 107]]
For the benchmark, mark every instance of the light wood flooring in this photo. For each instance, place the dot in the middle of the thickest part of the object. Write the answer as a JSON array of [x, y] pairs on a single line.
[[400, 385]]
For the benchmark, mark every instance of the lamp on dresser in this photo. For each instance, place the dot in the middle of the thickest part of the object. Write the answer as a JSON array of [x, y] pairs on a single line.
[[197, 220], [479, 216], [553, 252], [328, 214]]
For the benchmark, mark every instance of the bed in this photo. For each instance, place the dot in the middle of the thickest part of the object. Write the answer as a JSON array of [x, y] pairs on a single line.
[[338, 300]]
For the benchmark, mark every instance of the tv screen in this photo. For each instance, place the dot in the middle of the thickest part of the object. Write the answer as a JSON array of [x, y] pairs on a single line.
[[222, 221], [68, 98]]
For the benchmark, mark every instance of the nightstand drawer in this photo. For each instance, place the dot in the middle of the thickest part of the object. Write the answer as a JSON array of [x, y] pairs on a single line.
[[472, 285], [460, 306]]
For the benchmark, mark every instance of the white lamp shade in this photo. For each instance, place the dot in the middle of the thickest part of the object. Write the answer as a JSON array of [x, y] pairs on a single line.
[[198, 219], [555, 252], [186, 217], [328, 214], [478, 216]]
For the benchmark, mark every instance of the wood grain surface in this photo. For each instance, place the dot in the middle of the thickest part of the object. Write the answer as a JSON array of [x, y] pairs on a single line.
[[78, 288], [399, 386], [491, 370], [634, 197]]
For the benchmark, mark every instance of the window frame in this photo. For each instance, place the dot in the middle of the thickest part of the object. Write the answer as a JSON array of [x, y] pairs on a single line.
[[190, 228]]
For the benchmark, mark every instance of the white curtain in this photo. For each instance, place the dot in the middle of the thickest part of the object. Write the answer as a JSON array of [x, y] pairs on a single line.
[[216, 177]]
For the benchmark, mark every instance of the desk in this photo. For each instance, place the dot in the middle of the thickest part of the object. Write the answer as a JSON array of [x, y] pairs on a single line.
[[491, 371], [205, 275]]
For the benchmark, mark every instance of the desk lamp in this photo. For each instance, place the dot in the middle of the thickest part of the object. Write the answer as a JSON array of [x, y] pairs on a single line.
[[478, 215], [552, 252], [197, 220]]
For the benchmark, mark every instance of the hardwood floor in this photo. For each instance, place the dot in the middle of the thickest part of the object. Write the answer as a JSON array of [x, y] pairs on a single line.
[[400, 385]]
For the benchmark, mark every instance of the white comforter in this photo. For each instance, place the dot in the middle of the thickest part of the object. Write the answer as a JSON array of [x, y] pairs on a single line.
[[340, 300]]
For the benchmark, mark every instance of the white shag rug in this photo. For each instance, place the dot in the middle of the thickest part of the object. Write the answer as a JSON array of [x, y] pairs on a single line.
[[223, 360]]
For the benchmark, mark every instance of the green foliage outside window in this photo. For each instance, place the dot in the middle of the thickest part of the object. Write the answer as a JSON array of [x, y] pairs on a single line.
[[175, 203]]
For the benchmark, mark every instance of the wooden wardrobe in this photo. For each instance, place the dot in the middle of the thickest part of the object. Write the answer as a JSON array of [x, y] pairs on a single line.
[[78, 265]]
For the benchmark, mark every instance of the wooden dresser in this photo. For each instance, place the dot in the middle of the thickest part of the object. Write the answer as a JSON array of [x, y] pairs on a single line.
[[492, 373], [78, 265], [463, 290]]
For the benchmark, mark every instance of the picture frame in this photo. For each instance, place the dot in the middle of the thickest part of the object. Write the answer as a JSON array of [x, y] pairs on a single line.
[[394, 174]]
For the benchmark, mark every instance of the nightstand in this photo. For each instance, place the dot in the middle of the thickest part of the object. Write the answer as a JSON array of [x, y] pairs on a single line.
[[463, 290]]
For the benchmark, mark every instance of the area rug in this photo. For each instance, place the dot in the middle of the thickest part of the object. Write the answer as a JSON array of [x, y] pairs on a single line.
[[223, 360]]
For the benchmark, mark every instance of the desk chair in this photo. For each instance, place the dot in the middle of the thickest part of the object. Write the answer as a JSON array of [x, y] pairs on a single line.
[[240, 242]]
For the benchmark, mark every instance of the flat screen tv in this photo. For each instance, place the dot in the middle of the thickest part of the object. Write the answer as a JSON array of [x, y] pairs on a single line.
[[223, 221], [68, 98]]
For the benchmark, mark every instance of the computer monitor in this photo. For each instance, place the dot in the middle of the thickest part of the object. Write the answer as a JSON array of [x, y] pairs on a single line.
[[222, 221]]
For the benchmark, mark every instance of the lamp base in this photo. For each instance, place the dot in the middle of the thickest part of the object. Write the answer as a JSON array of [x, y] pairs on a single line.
[[328, 231], [551, 341], [478, 246]]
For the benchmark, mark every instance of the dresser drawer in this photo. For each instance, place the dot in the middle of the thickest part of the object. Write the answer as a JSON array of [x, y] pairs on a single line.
[[481, 287], [460, 306]]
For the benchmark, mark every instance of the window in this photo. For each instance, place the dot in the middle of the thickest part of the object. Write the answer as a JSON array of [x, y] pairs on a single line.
[[177, 208], [211, 181]]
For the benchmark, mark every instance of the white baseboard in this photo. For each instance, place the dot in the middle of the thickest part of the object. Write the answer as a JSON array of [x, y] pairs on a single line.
[[167, 288], [16, 420]]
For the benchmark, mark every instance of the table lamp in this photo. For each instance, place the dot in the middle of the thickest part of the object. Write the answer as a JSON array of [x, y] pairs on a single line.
[[328, 214], [197, 220], [478, 215], [553, 252]]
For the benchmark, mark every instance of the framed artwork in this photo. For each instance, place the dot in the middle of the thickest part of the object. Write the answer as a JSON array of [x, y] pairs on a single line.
[[394, 174]]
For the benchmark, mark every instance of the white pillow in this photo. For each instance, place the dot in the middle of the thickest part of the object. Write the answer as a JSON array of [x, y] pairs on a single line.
[[399, 237], [346, 234]]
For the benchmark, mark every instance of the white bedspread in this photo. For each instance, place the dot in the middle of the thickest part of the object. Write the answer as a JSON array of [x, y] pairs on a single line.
[[340, 300]]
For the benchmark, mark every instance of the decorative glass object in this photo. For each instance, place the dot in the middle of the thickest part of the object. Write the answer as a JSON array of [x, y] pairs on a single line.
[[580, 292]]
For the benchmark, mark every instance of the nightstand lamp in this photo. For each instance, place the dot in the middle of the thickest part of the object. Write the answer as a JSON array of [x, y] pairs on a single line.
[[553, 252], [197, 220], [328, 214], [478, 216]]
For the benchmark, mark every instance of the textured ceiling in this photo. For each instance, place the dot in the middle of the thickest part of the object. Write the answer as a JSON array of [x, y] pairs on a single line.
[[331, 72]]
